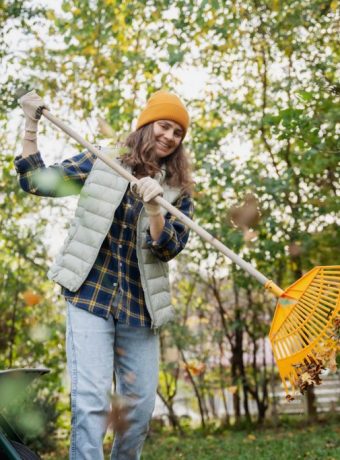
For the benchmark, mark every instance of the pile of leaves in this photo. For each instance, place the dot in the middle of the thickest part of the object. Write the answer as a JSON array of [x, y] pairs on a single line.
[[310, 371]]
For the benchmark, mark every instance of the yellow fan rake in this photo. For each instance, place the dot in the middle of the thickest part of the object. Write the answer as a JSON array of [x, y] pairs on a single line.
[[303, 324], [305, 312]]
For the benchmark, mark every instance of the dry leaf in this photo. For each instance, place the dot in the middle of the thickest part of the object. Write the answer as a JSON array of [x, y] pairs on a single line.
[[305, 377], [294, 249], [31, 298], [309, 373], [195, 368], [118, 415], [251, 437], [331, 365], [233, 389], [247, 215]]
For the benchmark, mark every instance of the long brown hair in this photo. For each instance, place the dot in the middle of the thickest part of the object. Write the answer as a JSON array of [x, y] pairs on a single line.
[[143, 160]]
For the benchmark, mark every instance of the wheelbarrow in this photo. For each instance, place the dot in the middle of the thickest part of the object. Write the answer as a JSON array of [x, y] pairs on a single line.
[[13, 384]]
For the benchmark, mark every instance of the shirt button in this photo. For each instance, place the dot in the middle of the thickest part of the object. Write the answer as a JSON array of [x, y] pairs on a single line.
[[120, 264], [115, 284], [120, 245]]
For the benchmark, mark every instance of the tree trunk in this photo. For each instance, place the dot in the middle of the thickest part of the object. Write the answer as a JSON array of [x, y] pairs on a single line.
[[196, 390], [226, 421], [173, 419], [310, 400]]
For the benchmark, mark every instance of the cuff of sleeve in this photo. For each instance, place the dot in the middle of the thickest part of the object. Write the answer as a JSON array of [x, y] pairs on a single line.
[[164, 238], [23, 165]]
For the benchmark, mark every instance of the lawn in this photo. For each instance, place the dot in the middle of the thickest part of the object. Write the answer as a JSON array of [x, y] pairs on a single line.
[[311, 443], [315, 442]]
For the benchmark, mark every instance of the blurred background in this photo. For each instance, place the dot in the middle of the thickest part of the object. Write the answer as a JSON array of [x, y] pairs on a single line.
[[261, 83]]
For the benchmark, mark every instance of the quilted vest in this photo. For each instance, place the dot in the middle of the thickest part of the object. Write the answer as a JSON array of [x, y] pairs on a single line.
[[100, 196]]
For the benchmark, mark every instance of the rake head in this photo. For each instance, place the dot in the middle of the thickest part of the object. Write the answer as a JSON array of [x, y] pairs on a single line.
[[303, 329]]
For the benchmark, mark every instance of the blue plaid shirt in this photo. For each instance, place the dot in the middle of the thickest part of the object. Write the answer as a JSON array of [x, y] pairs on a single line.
[[113, 285]]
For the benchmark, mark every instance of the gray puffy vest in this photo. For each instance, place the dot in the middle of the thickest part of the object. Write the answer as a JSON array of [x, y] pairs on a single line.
[[100, 196]]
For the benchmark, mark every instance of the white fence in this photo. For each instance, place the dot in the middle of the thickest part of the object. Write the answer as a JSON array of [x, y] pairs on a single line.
[[327, 400]]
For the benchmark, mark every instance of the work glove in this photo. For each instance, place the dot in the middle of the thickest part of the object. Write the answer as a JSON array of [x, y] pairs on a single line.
[[148, 188], [32, 105]]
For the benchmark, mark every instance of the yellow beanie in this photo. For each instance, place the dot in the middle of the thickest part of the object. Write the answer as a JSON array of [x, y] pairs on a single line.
[[163, 105]]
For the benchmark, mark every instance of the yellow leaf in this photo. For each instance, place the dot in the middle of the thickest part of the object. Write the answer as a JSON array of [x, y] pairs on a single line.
[[334, 5], [251, 437], [89, 50], [232, 389], [195, 367], [275, 5]]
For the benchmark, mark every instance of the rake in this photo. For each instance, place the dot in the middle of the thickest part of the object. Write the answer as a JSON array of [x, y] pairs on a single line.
[[303, 323]]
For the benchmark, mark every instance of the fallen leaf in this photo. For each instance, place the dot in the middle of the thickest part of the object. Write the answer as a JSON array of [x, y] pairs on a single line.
[[251, 437]]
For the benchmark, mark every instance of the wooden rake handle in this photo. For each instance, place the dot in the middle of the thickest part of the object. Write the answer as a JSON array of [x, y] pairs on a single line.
[[268, 284]]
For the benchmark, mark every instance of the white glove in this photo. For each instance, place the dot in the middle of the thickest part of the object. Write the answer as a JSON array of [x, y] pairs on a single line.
[[148, 188], [32, 105]]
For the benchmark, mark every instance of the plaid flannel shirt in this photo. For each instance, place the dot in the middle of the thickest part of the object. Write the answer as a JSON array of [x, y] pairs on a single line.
[[113, 285]]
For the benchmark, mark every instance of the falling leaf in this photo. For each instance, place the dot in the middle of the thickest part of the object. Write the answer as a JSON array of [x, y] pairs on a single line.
[[334, 5], [118, 415], [294, 249], [232, 389], [31, 298], [195, 367], [331, 365], [120, 351], [247, 215]]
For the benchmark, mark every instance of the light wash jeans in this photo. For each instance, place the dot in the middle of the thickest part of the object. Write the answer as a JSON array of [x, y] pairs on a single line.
[[96, 348]]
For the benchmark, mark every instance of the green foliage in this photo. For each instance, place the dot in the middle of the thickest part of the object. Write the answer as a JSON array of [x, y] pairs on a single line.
[[31, 326], [272, 86]]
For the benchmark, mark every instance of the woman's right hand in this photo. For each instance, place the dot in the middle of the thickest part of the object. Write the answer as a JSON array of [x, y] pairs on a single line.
[[32, 105]]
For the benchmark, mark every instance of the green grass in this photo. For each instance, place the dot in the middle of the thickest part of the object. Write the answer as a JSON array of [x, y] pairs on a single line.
[[292, 442], [312, 443]]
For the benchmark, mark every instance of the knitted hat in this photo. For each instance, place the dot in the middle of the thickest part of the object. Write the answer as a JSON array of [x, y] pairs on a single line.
[[163, 105]]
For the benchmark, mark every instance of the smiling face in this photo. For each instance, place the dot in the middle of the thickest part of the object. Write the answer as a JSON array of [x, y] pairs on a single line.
[[168, 135]]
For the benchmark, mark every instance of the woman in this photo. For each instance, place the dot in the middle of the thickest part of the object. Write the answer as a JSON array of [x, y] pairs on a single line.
[[113, 267]]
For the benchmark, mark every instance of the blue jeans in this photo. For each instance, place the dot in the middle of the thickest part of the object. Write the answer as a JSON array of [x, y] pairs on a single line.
[[96, 348]]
